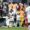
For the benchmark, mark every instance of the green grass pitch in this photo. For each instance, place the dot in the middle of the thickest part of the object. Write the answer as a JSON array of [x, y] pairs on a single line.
[[14, 28]]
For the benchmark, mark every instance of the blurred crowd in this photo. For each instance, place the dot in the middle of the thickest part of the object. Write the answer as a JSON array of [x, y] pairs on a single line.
[[14, 13]]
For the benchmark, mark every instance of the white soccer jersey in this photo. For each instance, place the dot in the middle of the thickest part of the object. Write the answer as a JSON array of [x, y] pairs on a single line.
[[28, 13], [11, 17]]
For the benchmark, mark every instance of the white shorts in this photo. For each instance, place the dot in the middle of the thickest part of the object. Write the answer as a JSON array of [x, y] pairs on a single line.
[[7, 22], [28, 18]]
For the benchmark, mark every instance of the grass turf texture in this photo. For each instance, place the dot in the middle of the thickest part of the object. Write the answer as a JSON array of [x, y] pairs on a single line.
[[14, 28]]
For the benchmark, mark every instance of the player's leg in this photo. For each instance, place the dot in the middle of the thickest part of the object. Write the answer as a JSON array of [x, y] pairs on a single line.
[[7, 22]]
